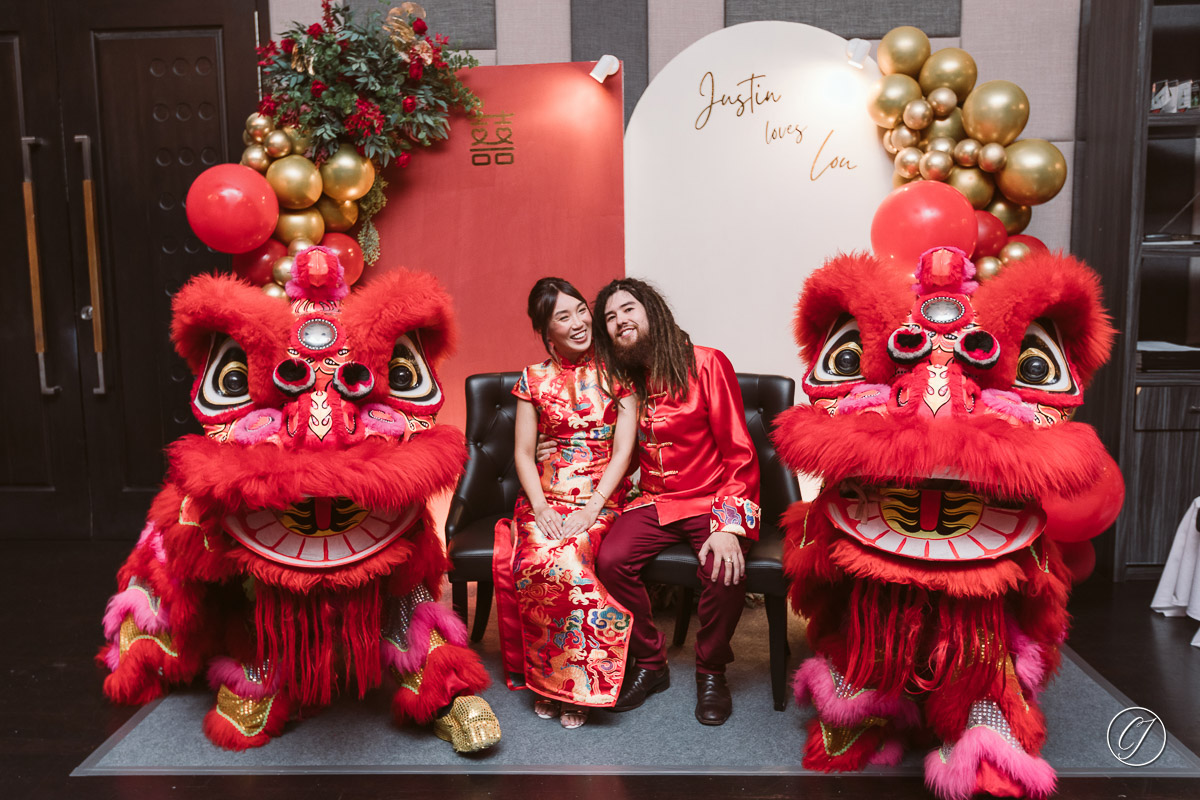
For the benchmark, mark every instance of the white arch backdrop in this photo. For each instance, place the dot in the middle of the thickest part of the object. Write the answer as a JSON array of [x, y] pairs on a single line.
[[749, 160]]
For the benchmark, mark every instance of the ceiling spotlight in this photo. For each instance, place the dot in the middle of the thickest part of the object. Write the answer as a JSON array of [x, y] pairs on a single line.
[[607, 65]]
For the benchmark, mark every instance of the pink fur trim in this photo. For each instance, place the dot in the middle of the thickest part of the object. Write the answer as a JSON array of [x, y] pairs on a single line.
[[133, 601], [1008, 404], [227, 671], [956, 779], [888, 754], [814, 683], [1027, 658], [112, 657], [427, 617], [257, 426], [864, 397], [151, 536]]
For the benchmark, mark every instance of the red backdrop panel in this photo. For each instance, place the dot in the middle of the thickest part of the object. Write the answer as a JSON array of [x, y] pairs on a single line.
[[533, 189]]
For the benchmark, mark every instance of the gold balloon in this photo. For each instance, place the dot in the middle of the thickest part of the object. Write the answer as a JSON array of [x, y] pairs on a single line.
[[936, 165], [247, 139], [887, 143], [347, 175], [987, 267], [918, 114], [951, 67], [299, 245], [1014, 251], [996, 111], [899, 180], [339, 216], [942, 100], [889, 97], [966, 153], [255, 157], [295, 180], [904, 136], [908, 162], [258, 126], [950, 127], [903, 50], [274, 290], [992, 157], [1035, 172], [975, 185], [1014, 216], [281, 271], [301, 140], [293, 224], [943, 144], [278, 144]]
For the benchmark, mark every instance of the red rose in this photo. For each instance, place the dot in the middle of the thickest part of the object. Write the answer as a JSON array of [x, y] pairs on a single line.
[[402, 159], [315, 30], [408, 104], [416, 68], [288, 46], [419, 27], [318, 89], [267, 106], [266, 52]]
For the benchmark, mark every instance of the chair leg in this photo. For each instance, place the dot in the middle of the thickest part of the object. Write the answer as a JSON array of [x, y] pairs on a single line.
[[777, 637], [684, 617], [458, 599], [483, 608]]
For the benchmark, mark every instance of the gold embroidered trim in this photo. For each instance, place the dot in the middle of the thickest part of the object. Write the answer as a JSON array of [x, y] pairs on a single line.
[[248, 716], [130, 633], [470, 725]]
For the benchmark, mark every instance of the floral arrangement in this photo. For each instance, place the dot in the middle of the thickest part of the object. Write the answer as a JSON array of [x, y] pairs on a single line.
[[386, 86]]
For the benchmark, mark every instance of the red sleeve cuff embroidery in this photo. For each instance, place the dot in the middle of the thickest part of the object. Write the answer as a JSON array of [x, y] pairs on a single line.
[[735, 515]]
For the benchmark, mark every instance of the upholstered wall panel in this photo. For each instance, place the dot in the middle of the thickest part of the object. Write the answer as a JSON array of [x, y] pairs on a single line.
[[676, 24], [470, 24], [285, 12], [865, 19], [617, 27], [1035, 45], [533, 31]]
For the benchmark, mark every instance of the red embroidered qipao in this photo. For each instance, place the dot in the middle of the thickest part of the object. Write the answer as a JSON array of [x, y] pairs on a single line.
[[558, 625]]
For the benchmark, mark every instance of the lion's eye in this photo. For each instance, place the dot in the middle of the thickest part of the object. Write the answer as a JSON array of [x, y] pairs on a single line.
[[409, 377], [1033, 367], [226, 381], [847, 359], [1042, 363], [403, 374], [234, 380], [840, 360]]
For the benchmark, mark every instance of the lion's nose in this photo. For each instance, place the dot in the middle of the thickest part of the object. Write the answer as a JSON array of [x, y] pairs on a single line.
[[353, 380]]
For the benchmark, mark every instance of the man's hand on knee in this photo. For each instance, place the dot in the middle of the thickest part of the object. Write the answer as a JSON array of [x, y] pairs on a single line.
[[729, 563]]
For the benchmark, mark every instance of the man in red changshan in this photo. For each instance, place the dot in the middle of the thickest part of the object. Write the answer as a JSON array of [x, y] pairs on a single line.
[[699, 481]]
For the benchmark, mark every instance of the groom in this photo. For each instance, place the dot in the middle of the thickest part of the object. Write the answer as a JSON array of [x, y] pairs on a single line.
[[699, 481]]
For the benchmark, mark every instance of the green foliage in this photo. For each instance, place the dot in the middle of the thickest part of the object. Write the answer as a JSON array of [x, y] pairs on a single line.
[[345, 81]]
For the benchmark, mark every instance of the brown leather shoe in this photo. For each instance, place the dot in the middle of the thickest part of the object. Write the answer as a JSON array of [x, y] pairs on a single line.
[[639, 684], [713, 703]]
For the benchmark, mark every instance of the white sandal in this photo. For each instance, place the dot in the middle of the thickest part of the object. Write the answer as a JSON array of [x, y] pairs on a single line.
[[547, 709], [573, 717]]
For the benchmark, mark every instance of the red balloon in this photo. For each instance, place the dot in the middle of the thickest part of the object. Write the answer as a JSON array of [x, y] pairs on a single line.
[[918, 216], [348, 252], [1035, 244], [232, 208], [1089, 513], [1080, 559], [990, 234], [256, 265]]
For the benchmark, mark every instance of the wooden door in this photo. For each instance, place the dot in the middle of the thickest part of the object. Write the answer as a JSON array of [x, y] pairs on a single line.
[[149, 94]]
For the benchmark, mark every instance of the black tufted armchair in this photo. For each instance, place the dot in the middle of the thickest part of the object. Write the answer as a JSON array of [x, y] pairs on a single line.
[[489, 487]]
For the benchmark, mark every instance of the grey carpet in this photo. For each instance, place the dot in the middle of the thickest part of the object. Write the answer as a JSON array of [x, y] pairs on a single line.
[[660, 737]]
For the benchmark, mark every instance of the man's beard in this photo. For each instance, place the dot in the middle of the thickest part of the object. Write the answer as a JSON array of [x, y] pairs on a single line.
[[636, 358]]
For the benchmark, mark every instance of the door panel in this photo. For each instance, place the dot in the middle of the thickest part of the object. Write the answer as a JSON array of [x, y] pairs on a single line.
[[157, 92], [43, 484]]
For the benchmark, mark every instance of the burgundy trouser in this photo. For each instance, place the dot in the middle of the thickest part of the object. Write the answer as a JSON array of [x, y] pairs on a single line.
[[634, 539]]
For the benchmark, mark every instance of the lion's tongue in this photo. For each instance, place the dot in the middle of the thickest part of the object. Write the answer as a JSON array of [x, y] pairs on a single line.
[[931, 504], [322, 506]]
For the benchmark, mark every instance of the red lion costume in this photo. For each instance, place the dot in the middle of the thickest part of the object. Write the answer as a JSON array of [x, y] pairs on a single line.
[[291, 549], [935, 596]]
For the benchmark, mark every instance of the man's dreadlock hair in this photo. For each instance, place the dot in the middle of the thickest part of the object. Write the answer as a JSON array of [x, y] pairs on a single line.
[[673, 357]]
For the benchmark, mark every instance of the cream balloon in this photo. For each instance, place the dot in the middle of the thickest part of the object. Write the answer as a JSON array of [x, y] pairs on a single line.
[[346, 174]]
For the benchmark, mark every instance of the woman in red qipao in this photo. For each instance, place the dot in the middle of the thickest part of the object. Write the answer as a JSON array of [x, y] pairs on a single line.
[[560, 630]]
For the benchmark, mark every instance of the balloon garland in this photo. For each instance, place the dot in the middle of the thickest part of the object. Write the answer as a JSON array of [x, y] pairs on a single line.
[[943, 128], [310, 171]]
